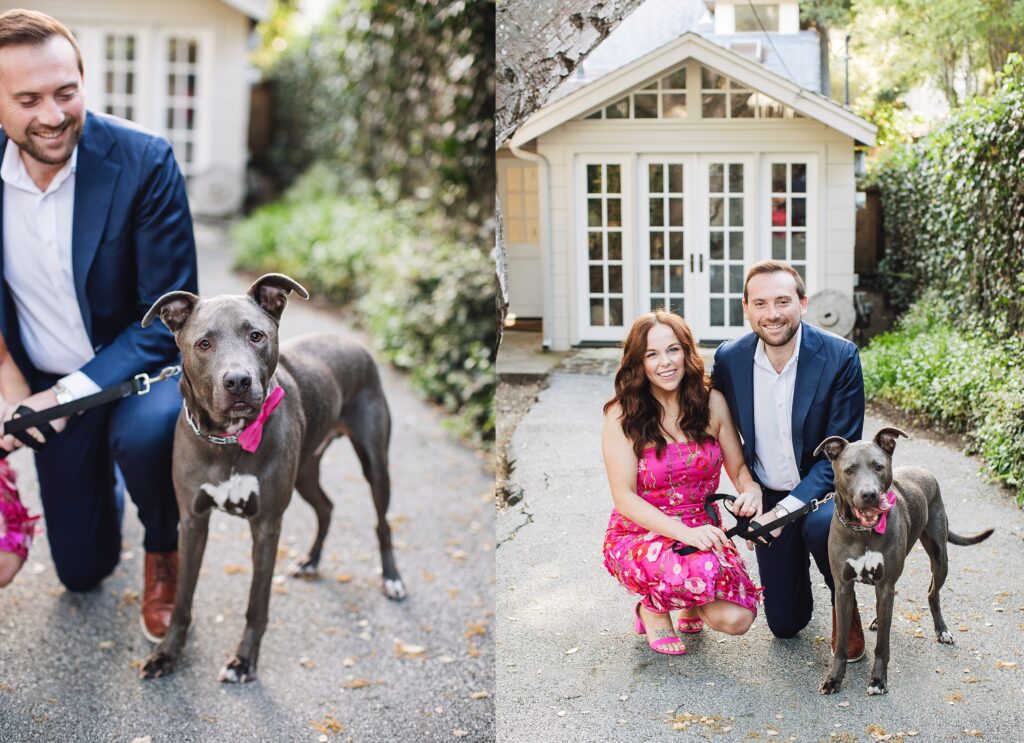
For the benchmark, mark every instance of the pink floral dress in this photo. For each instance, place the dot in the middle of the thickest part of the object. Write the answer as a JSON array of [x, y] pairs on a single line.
[[643, 561]]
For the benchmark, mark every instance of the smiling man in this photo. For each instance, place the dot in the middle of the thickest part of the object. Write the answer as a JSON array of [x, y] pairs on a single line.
[[790, 385], [95, 228]]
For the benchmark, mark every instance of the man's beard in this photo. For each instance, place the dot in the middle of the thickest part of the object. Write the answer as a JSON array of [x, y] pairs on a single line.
[[786, 338], [33, 150]]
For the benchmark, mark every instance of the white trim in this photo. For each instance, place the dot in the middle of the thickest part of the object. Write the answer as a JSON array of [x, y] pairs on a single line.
[[579, 241], [729, 63], [813, 230], [203, 93]]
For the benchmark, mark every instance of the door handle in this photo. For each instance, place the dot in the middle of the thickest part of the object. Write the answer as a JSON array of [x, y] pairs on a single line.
[[691, 262], [702, 263]]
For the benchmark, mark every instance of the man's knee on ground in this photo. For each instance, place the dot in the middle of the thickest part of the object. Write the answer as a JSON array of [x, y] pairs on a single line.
[[786, 626], [82, 577]]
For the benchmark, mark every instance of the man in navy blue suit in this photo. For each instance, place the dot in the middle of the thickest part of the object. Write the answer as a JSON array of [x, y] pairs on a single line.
[[789, 386], [95, 228]]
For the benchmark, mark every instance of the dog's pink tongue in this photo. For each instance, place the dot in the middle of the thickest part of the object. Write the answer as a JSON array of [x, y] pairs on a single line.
[[885, 504]]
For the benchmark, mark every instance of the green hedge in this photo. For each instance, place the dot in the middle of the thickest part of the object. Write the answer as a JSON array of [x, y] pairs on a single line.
[[954, 211], [964, 380], [426, 298]]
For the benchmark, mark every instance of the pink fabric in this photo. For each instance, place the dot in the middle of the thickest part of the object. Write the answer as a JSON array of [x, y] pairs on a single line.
[[885, 504], [678, 483], [16, 527], [250, 437]]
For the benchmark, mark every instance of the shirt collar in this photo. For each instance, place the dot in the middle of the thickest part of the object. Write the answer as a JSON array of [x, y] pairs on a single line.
[[761, 358], [14, 173]]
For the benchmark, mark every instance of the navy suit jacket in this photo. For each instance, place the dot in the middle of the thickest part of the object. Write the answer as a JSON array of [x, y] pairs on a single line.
[[131, 243], [828, 400]]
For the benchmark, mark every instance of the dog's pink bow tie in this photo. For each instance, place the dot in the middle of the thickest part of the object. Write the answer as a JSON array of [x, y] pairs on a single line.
[[885, 503], [249, 438]]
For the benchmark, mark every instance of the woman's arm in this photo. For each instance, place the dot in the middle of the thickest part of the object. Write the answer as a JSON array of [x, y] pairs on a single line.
[[748, 502], [13, 387], [620, 463]]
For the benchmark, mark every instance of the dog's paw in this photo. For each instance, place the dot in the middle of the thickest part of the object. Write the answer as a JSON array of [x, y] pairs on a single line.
[[945, 637], [157, 664], [876, 687], [830, 686], [874, 625], [304, 567], [394, 589], [237, 671]]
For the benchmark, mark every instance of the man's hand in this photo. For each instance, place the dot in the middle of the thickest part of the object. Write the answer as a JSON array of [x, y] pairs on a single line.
[[39, 401]]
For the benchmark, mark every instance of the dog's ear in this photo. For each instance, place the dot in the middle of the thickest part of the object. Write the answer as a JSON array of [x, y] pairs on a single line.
[[174, 308], [271, 291], [832, 446], [885, 439]]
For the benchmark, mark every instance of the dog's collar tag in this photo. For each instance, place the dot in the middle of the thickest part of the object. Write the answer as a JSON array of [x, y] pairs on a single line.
[[890, 499]]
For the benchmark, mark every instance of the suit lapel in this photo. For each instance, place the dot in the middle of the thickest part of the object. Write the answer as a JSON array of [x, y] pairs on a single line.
[[745, 393], [808, 372], [95, 178]]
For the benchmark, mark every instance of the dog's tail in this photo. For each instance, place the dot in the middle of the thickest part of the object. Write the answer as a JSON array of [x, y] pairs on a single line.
[[973, 539]]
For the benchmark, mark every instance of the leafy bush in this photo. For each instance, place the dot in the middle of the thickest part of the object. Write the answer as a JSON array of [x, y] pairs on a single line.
[[425, 297], [962, 379], [954, 211]]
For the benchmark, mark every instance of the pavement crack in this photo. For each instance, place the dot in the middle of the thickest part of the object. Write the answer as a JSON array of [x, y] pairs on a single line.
[[512, 534]]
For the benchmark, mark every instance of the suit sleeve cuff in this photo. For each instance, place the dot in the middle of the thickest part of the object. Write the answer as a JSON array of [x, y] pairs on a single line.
[[79, 385]]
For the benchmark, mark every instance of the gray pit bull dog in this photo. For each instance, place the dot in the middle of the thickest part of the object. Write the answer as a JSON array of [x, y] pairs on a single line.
[[231, 371], [879, 514]]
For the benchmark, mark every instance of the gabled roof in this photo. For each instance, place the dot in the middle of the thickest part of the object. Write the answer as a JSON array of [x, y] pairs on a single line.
[[658, 22], [729, 63], [257, 9]]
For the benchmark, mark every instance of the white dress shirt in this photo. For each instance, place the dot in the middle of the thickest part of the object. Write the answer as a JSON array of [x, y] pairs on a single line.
[[37, 268], [774, 461]]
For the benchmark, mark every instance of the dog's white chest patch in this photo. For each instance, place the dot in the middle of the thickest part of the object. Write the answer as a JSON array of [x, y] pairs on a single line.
[[233, 494], [868, 567]]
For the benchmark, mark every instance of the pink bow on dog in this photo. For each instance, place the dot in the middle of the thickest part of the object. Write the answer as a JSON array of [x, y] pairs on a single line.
[[885, 504], [249, 438]]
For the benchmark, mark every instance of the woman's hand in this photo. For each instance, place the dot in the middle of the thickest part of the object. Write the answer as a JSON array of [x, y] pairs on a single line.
[[748, 503], [706, 537]]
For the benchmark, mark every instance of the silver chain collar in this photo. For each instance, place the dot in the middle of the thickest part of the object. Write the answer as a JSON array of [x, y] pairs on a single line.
[[219, 440]]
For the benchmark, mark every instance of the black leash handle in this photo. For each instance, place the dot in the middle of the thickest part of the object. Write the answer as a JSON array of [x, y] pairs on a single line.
[[742, 522], [138, 385]]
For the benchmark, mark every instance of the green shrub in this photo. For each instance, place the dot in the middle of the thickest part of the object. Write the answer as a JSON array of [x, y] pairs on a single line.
[[954, 209], [964, 380], [426, 298]]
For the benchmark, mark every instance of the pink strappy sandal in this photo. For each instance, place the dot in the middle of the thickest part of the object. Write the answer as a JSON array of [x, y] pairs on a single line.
[[656, 644], [16, 527]]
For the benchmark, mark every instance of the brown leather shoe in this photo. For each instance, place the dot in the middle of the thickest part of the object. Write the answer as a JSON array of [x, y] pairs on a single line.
[[854, 641], [158, 595]]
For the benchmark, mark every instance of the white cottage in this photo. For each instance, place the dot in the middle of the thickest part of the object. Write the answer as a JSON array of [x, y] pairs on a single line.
[[670, 163], [180, 69]]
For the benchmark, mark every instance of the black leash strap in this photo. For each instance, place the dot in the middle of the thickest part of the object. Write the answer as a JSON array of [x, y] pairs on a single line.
[[742, 528], [28, 418]]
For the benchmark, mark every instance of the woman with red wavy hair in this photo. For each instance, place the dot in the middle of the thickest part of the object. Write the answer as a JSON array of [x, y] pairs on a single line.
[[666, 436]]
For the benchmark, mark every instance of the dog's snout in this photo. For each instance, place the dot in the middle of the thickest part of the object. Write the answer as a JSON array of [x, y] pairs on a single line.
[[868, 496], [237, 382]]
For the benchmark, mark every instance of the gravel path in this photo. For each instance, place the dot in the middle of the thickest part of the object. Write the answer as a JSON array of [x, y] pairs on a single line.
[[570, 668], [338, 661]]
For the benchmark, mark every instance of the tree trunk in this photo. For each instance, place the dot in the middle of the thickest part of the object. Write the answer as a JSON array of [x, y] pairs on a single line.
[[538, 45]]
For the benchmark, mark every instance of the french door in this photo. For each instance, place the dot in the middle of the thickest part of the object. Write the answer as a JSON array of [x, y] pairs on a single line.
[[696, 239]]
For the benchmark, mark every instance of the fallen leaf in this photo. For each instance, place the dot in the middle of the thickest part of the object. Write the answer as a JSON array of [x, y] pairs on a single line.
[[344, 578], [208, 718], [355, 684], [460, 733], [235, 569], [475, 628], [955, 697], [453, 593], [307, 663], [843, 704], [146, 739], [7, 687], [479, 695], [348, 662], [973, 733], [570, 651], [970, 680], [445, 659], [403, 650], [427, 576], [105, 644], [1005, 664], [912, 616], [129, 597], [329, 725], [458, 554]]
